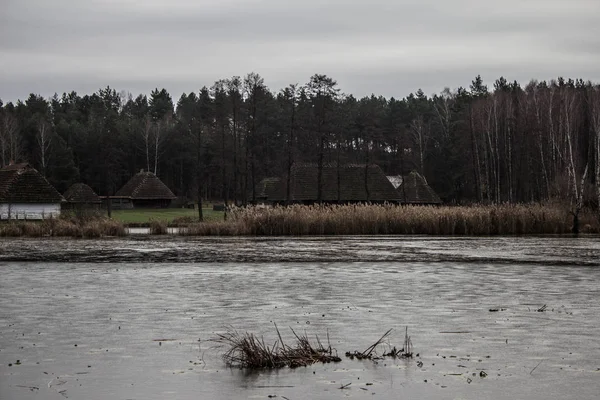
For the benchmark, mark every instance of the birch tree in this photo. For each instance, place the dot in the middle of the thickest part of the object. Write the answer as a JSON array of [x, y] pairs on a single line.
[[44, 140], [594, 99], [146, 134], [568, 114]]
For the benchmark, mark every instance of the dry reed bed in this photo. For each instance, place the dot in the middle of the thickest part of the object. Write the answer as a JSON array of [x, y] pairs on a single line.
[[65, 227], [299, 220], [360, 219]]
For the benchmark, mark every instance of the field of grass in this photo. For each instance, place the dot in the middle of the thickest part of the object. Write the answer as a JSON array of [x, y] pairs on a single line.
[[168, 215]]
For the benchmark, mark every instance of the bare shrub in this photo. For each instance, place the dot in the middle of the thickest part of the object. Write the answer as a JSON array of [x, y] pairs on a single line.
[[158, 227], [91, 230], [11, 229], [110, 227]]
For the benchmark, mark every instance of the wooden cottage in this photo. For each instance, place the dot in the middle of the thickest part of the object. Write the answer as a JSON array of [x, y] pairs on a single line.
[[26, 194], [143, 190], [81, 196], [346, 184], [413, 189]]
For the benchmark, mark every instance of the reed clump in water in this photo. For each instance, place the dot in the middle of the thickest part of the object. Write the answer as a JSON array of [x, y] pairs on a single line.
[[370, 353], [245, 350]]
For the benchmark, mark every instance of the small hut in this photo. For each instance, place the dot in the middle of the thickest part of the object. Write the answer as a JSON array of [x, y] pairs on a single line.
[[81, 196], [26, 194], [353, 183], [414, 189], [143, 190]]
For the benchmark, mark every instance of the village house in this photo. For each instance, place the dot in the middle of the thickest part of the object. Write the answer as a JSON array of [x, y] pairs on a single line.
[[143, 190], [347, 184], [414, 189], [81, 196], [26, 194]]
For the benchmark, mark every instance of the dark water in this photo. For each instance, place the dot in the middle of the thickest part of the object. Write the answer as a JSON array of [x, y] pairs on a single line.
[[83, 317]]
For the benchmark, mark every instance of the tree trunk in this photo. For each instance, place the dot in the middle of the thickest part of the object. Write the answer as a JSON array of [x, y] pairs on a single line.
[[475, 156], [199, 171], [290, 152]]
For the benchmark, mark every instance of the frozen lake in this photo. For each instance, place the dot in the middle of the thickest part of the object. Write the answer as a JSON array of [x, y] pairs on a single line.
[[132, 318]]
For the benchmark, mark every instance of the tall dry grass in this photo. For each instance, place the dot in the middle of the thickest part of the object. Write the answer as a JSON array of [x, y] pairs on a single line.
[[158, 227], [216, 228], [364, 219], [68, 226]]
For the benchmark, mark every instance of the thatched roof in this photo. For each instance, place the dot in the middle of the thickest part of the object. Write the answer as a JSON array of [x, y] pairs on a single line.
[[82, 194], [145, 186], [414, 189], [351, 185], [21, 183]]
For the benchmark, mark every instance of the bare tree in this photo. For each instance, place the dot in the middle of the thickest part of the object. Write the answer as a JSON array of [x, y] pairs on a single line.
[[254, 89], [161, 129], [290, 93], [443, 110], [594, 98], [420, 136], [146, 134], [568, 111], [10, 138], [234, 90], [44, 140]]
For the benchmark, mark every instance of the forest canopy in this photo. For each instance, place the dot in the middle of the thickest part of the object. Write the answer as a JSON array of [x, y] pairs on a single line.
[[504, 143]]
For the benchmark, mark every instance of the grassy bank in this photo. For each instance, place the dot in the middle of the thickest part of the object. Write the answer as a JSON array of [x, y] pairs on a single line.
[[397, 220], [170, 216]]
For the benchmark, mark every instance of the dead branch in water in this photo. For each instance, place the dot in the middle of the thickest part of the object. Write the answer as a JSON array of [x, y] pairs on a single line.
[[369, 353]]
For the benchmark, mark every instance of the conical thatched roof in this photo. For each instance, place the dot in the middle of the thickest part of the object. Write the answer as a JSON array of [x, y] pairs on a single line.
[[82, 194], [415, 190], [21, 183], [349, 180], [145, 186]]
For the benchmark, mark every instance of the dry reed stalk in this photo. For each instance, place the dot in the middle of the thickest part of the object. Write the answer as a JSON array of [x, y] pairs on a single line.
[[369, 352]]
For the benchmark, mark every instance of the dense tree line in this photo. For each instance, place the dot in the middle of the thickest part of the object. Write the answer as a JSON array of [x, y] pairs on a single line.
[[505, 144]]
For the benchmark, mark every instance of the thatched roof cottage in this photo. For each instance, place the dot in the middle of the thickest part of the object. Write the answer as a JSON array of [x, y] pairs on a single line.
[[80, 195], [143, 190], [26, 194], [414, 189], [346, 184]]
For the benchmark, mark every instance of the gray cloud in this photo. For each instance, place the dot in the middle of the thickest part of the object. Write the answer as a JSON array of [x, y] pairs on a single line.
[[386, 47]]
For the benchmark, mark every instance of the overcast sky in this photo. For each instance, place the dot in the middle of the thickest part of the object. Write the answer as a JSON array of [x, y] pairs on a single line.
[[386, 47]]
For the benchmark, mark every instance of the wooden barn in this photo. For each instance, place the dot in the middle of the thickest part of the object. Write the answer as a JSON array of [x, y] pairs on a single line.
[[414, 189], [346, 184], [143, 190], [81, 196], [26, 194]]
